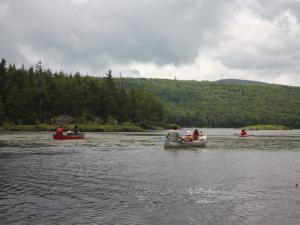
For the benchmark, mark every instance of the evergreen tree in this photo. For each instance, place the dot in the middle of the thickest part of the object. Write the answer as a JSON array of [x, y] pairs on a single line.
[[2, 89]]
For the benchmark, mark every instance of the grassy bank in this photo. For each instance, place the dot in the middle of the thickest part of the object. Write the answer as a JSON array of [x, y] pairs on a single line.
[[91, 127], [266, 127]]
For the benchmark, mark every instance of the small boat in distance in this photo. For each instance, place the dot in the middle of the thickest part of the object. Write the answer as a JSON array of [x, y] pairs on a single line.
[[202, 142], [68, 136], [244, 135]]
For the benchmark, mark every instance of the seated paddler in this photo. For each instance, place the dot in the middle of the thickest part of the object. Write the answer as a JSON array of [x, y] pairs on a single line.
[[173, 136]]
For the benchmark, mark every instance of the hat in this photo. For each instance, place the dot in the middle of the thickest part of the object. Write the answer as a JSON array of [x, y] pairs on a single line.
[[188, 132]]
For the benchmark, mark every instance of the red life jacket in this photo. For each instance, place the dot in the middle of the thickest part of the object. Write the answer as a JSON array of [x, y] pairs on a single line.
[[243, 133], [195, 136], [60, 131]]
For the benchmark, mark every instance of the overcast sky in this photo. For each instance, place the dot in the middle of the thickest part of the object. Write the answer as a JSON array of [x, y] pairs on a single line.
[[187, 39]]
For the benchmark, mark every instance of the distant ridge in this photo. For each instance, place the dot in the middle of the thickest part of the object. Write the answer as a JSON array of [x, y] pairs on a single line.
[[238, 81], [236, 103]]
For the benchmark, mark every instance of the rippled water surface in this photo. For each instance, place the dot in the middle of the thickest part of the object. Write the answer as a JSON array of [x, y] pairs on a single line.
[[129, 178]]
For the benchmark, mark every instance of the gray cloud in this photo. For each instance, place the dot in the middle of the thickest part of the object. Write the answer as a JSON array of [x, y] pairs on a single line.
[[121, 31], [263, 46], [93, 36]]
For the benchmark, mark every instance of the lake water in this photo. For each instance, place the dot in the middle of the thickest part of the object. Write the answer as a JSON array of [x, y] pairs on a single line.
[[129, 178]]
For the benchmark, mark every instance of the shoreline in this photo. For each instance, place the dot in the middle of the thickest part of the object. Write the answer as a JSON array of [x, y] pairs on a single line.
[[91, 127], [266, 127], [82, 128]]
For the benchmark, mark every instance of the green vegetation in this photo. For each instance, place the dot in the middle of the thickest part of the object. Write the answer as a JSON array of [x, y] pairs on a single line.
[[238, 81], [214, 104], [91, 127], [39, 96], [266, 127]]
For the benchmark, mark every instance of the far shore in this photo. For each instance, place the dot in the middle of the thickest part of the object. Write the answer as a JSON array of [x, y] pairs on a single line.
[[93, 127], [266, 127], [82, 127]]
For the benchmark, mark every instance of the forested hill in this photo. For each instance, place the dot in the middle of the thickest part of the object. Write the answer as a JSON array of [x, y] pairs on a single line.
[[238, 81], [214, 104], [36, 95]]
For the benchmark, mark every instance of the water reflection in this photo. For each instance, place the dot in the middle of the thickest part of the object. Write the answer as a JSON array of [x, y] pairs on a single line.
[[128, 178]]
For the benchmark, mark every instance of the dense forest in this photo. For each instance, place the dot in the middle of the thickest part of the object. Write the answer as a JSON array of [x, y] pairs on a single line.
[[219, 104], [36, 95]]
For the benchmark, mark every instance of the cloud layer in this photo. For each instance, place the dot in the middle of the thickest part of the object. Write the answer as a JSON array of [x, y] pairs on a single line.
[[186, 39]]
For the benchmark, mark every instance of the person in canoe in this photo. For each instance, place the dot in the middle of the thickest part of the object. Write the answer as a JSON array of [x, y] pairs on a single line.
[[173, 136], [60, 130], [76, 129], [243, 132], [196, 134], [188, 136]]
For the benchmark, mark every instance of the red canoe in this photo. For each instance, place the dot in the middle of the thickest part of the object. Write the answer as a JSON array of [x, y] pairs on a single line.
[[245, 135], [68, 137]]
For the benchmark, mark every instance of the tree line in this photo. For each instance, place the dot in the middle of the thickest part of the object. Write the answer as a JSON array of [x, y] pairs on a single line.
[[216, 104], [36, 95]]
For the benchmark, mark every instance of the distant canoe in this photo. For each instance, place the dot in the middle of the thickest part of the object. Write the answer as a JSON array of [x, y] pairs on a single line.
[[68, 137], [202, 142], [245, 135]]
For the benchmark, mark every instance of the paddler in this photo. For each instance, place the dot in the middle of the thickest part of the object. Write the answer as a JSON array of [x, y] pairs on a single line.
[[243, 132], [60, 130]]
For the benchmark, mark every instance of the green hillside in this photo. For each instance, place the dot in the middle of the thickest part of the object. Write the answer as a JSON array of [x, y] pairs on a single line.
[[36, 96], [238, 81], [214, 104]]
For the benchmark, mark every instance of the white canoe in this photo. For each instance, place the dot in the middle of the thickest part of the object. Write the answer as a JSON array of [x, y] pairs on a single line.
[[202, 142]]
